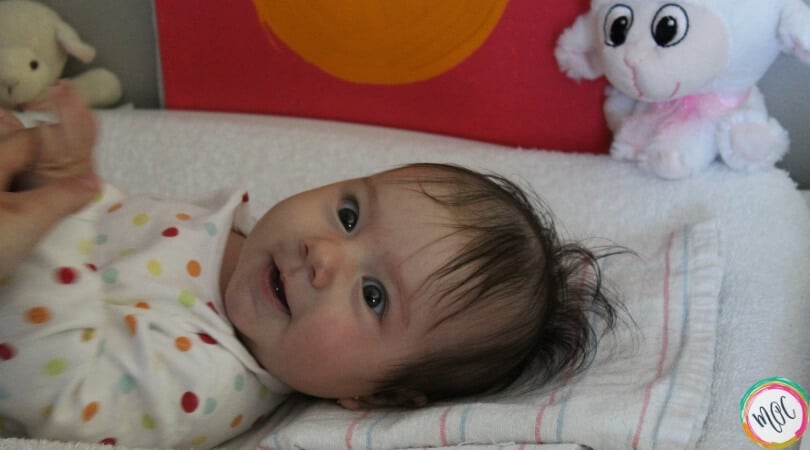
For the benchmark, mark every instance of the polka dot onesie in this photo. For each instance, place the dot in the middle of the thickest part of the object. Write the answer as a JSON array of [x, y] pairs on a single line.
[[114, 330]]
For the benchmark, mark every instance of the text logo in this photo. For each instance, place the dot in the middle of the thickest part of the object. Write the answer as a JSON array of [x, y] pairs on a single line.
[[774, 412]]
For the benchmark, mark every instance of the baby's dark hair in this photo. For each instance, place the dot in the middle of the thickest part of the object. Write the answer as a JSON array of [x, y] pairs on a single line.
[[532, 299]]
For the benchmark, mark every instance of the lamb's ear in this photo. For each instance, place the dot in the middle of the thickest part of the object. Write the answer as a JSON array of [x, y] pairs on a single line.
[[576, 50], [69, 40], [794, 29]]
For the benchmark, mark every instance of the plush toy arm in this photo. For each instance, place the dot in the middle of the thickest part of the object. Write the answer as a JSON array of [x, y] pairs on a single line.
[[98, 87], [576, 50], [69, 39], [794, 29]]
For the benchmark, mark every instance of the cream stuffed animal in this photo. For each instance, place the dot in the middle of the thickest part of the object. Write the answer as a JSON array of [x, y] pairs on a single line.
[[683, 77], [34, 47]]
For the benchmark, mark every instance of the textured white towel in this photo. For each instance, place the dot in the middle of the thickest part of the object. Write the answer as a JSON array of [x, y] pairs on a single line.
[[763, 224]]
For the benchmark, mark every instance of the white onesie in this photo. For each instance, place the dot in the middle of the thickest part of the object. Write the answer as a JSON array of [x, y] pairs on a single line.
[[114, 330]]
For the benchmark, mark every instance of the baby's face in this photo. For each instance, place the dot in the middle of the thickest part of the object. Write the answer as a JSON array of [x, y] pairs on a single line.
[[329, 290]]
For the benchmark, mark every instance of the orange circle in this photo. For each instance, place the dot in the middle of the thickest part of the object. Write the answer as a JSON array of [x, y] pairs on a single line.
[[132, 323], [89, 411], [182, 343], [38, 314], [193, 268], [236, 421], [183, 217], [382, 42], [142, 305]]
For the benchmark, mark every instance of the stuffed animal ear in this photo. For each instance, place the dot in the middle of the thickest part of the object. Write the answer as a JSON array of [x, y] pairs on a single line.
[[69, 39], [576, 50], [794, 29]]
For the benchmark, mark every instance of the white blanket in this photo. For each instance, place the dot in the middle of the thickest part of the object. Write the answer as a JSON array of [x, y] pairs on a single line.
[[764, 231]]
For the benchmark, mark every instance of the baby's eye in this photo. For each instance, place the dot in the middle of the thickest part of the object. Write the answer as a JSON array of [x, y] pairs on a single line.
[[375, 296], [349, 213], [617, 26]]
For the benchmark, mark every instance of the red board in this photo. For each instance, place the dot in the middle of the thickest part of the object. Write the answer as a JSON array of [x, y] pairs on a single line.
[[220, 56]]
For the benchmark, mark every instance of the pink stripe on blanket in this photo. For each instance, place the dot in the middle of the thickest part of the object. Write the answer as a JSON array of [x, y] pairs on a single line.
[[664, 344], [443, 426], [352, 426]]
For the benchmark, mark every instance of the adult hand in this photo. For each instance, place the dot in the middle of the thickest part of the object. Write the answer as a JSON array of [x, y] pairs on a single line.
[[50, 170]]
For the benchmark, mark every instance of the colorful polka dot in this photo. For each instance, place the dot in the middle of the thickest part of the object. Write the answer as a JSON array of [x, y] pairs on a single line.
[[210, 405], [193, 268], [236, 421], [239, 382], [148, 422], [182, 343], [140, 219], [211, 228], [55, 367], [187, 299], [142, 305], [245, 197], [114, 207], [199, 440], [205, 337], [108, 441], [67, 275], [110, 275], [126, 383], [88, 334], [91, 266], [132, 324], [101, 239], [90, 411], [7, 351], [189, 402], [126, 251], [170, 232], [213, 308], [38, 314], [154, 267], [85, 246], [183, 217]]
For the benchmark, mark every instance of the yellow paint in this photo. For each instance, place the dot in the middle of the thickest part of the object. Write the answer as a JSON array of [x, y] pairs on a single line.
[[382, 41]]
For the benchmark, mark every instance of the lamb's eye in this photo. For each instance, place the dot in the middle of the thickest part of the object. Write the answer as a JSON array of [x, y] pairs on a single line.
[[34, 64], [670, 25], [618, 22]]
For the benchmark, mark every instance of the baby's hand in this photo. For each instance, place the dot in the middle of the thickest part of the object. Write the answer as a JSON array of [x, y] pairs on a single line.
[[63, 149]]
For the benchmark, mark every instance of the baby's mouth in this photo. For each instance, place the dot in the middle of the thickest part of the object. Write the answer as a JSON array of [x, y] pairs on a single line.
[[277, 285]]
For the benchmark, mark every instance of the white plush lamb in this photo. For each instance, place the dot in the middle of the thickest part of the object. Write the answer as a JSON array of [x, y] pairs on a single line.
[[683, 77], [34, 47]]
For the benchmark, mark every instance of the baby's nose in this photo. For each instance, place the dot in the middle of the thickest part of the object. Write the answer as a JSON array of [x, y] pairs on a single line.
[[324, 258]]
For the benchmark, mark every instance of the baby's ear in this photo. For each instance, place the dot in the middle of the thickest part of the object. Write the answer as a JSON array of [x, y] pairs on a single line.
[[399, 398]]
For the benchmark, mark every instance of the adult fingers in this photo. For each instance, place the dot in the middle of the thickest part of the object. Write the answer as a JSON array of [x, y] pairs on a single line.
[[9, 122], [76, 130], [18, 151], [50, 203]]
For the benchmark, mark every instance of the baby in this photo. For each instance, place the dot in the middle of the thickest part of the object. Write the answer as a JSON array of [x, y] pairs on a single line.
[[156, 323]]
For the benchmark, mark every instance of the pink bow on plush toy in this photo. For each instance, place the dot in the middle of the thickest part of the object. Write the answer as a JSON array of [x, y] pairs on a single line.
[[683, 76]]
